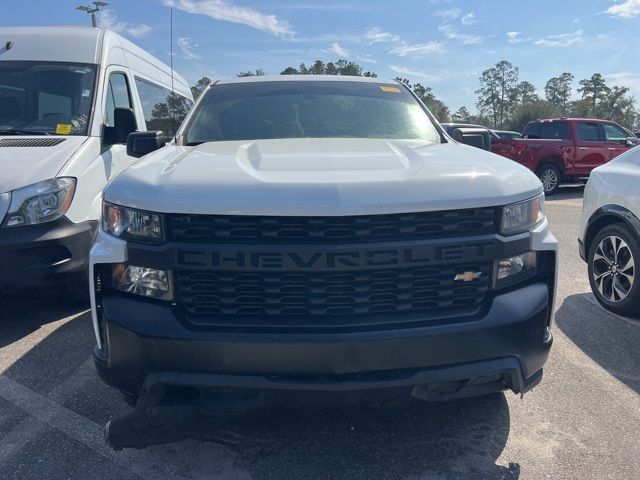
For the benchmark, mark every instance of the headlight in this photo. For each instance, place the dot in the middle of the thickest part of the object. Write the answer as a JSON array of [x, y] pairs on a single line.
[[131, 224], [147, 282], [41, 202], [522, 216], [515, 269]]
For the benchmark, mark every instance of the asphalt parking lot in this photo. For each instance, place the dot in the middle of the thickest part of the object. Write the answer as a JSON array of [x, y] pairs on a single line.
[[581, 422]]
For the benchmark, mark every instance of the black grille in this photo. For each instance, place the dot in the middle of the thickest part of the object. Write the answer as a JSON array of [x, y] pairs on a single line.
[[226, 229], [31, 142], [326, 298]]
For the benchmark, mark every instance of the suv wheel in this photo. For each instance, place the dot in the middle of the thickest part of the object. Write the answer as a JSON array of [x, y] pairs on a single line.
[[612, 271], [549, 175]]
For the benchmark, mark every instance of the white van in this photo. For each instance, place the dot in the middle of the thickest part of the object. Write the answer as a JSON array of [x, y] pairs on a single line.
[[69, 97]]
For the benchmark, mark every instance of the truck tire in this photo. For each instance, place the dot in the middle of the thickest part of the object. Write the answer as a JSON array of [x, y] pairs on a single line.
[[550, 177], [611, 263]]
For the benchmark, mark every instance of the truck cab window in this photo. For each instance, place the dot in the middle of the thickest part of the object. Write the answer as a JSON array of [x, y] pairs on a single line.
[[588, 132], [613, 133], [118, 95]]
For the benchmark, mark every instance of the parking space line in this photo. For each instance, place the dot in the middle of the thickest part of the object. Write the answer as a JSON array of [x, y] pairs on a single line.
[[46, 412]]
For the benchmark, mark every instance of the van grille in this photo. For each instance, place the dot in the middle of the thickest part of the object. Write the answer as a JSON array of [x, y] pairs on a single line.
[[31, 142], [323, 298], [231, 229]]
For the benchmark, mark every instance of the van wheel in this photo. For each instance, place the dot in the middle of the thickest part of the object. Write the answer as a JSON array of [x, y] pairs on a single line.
[[612, 259], [550, 176], [78, 287]]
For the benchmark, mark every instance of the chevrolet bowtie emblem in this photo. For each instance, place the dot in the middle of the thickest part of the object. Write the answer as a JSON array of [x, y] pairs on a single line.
[[467, 276]]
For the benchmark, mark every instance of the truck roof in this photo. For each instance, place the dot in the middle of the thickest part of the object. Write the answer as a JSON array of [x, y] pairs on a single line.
[[304, 78], [571, 119]]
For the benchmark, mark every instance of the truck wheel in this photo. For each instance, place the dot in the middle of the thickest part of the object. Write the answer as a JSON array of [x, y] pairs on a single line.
[[549, 175], [611, 260]]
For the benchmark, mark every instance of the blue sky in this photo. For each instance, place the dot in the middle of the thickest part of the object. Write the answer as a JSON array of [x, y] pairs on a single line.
[[444, 44]]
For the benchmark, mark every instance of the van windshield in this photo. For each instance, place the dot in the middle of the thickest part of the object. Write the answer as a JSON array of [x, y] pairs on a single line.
[[39, 98], [308, 109]]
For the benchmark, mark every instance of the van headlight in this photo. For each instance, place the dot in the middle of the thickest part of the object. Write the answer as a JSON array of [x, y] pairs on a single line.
[[41, 202], [131, 224], [522, 216]]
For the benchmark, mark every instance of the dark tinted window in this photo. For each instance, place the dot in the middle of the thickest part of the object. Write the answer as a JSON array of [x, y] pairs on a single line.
[[162, 109], [118, 95], [554, 131], [532, 130], [309, 109], [588, 132]]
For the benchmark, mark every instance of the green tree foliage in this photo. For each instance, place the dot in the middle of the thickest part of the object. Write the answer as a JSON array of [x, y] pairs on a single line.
[[530, 111], [341, 67], [461, 115], [200, 86], [257, 73], [425, 94], [497, 92], [594, 91], [557, 92]]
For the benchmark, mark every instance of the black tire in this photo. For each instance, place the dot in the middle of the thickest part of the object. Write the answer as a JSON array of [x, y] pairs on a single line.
[[611, 259], [78, 287], [550, 177]]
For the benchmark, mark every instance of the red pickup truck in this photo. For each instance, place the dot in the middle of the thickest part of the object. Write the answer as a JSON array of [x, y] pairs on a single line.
[[565, 149]]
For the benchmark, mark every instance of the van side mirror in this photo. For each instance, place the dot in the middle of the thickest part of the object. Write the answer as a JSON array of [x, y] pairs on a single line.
[[475, 137], [141, 143], [124, 122]]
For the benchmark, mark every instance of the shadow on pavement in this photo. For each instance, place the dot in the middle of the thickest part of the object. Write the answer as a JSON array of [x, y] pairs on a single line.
[[24, 311], [567, 192], [404, 439], [608, 339]]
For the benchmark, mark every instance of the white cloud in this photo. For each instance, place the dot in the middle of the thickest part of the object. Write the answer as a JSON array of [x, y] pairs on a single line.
[[626, 9], [468, 19], [561, 40], [404, 49], [514, 37], [226, 11], [366, 58], [449, 13], [452, 34], [338, 50], [625, 79], [409, 72], [376, 35], [187, 49], [108, 20]]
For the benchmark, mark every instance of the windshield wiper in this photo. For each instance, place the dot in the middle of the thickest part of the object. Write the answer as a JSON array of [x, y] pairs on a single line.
[[17, 131]]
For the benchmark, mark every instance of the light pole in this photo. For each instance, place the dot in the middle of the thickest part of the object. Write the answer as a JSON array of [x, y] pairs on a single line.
[[93, 11]]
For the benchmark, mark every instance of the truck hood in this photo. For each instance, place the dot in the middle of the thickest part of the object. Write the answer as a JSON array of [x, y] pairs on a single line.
[[24, 165], [320, 177]]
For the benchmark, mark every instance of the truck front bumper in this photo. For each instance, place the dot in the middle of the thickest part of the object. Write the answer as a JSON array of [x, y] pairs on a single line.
[[147, 351], [34, 254]]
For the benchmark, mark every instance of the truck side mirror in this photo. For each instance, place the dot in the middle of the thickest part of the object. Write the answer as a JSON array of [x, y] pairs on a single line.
[[141, 143], [631, 141], [475, 137], [124, 122]]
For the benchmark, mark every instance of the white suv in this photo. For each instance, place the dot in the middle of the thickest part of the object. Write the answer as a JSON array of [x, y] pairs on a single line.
[[610, 233]]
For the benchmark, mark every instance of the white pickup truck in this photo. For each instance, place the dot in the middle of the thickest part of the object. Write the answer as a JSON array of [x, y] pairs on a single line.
[[319, 234]]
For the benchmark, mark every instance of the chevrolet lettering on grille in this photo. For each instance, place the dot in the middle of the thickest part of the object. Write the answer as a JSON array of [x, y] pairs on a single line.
[[331, 260]]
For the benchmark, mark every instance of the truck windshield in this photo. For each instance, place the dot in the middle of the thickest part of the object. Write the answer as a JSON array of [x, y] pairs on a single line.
[[308, 109], [40, 98]]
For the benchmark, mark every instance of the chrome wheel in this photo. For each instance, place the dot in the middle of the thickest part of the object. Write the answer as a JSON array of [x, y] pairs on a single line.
[[549, 179], [613, 269]]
